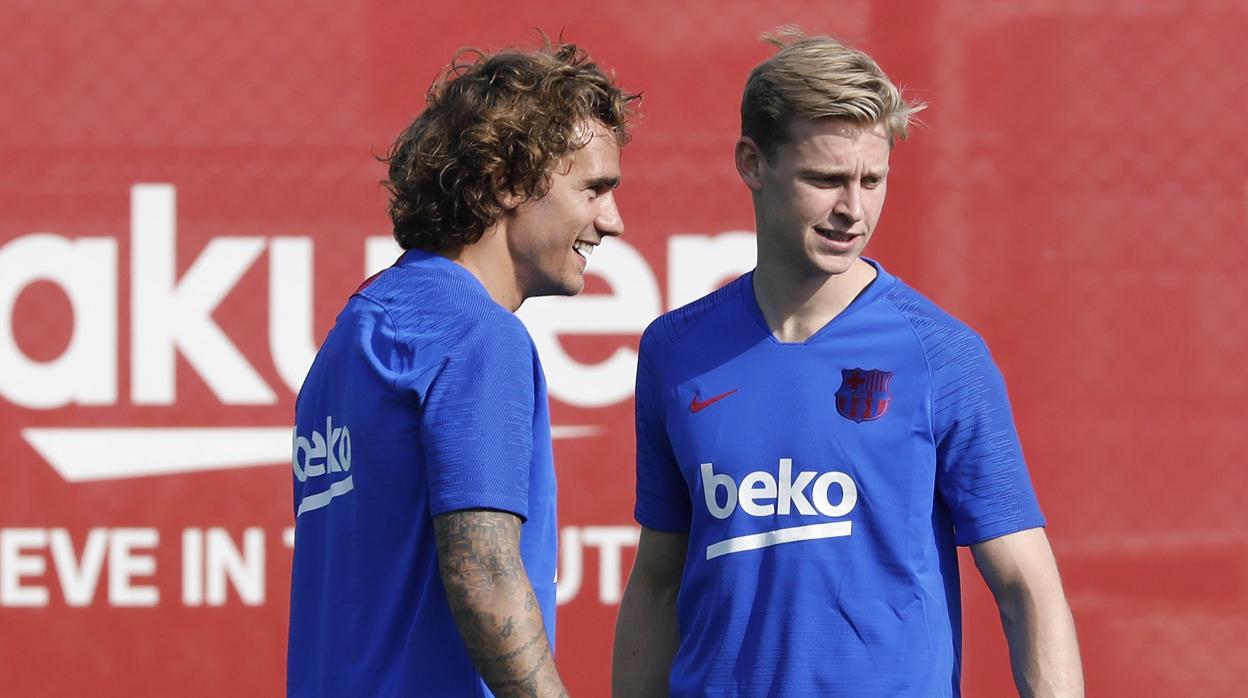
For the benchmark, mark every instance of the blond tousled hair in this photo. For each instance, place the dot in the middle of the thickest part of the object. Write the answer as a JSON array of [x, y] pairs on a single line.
[[818, 77]]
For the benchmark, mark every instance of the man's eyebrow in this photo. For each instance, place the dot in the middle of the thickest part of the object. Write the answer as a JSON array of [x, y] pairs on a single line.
[[600, 182], [834, 173]]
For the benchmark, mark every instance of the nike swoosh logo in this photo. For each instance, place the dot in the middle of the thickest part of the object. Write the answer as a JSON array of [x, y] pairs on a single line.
[[697, 406]]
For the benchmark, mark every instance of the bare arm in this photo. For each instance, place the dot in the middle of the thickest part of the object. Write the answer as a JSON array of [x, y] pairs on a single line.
[[646, 634], [1022, 575], [493, 602]]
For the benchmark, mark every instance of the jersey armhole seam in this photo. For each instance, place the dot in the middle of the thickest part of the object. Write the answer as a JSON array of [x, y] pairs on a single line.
[[398, 339], [927, 366]]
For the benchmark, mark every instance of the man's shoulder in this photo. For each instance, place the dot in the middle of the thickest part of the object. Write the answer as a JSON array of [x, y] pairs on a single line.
[[932, 324], [690, 322], [953, 350], [433, 304]]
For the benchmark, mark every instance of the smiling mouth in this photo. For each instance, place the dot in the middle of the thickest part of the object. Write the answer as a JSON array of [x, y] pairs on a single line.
[[584, 249]]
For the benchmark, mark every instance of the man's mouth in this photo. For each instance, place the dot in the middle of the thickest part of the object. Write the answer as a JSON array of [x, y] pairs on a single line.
[[836, 235], [585, 249]]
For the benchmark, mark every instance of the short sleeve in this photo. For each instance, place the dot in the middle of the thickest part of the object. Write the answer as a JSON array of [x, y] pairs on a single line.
[[662, 494], [981, 474], [477, 421]]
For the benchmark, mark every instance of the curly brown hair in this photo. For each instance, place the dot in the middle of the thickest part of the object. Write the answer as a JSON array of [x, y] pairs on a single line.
[[494, 123]]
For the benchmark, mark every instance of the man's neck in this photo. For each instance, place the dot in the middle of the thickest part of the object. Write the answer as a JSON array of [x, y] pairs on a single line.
[[489, 261], [797, 307]]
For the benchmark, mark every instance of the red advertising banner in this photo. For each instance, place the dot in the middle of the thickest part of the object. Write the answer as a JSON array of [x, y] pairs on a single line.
[[189, 192]]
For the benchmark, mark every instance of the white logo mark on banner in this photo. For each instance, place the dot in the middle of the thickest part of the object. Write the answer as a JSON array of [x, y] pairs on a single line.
[[95, 453]]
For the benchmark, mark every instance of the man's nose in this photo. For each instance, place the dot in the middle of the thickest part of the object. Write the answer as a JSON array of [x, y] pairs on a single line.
[[850, 203], [609, 221]]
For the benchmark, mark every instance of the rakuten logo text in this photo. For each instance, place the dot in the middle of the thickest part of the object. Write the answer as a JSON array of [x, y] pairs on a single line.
[[172, 318]]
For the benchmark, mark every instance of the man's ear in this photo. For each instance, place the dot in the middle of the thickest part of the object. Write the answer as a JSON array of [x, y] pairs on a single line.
[[505, 195], [507, 198], [749, 159]]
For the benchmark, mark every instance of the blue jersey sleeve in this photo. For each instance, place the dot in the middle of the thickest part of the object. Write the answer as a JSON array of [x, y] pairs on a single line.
[[662, 495], [981, 474], [476, 421]]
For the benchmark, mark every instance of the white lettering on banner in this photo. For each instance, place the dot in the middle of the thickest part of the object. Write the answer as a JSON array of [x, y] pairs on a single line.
[[571, 565], [633, 303], [78, 581], [192, 567], [699, 264], [610, 541], [290, 309], [172, 316], [210, 560], [379, 253], [86, 372], [214, 563], [168, 317], [124, 564], [244, 569], [22, 555], [14, 565], [762, 494]]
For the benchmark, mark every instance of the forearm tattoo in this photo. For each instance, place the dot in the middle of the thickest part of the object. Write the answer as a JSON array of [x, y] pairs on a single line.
[[493, 604]]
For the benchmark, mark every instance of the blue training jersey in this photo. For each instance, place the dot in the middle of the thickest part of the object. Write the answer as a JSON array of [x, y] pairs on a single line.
[[824, 486], [427, 397]]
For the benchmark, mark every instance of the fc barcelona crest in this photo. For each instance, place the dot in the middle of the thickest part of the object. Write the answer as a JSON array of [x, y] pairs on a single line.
[[863, 395]]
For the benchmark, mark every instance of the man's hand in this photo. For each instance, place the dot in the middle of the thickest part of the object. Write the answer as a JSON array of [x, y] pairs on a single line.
[[1022, 574], [493, 602]]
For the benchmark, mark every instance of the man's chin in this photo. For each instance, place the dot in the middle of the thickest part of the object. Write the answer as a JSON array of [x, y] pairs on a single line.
[[570, 287], [835, 266], [566, 288]]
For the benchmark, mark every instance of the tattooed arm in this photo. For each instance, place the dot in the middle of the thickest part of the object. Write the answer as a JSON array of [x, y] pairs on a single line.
[[493, 602]]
